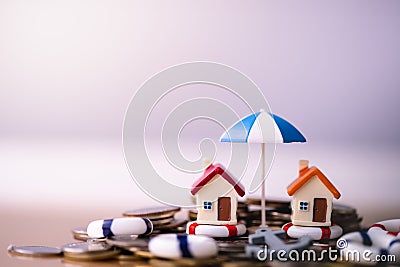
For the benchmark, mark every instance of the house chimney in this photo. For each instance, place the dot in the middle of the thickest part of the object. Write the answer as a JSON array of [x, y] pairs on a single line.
[[303, 164], [206, 162]]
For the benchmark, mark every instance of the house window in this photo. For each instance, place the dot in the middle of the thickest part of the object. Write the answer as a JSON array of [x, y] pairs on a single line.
[[303, 205], [207, 205]]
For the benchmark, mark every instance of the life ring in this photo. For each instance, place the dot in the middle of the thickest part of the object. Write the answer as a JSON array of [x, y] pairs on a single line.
[[386, 235], [225, 230], [382, 238], [316, 233], [349, 243]]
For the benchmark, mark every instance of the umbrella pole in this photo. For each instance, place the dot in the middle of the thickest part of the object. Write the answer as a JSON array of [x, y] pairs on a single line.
[[263, 215]]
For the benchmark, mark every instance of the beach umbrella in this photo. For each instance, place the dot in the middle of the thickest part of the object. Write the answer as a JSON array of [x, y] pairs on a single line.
[[262, 127]]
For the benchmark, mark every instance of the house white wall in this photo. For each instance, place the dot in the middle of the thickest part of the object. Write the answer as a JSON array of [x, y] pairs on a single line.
[[313, 188], [217, 187]]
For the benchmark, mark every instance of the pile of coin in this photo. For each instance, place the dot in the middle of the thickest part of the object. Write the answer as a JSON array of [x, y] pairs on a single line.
[[277, 212], [134, 249], [346, 217], [163, 218]]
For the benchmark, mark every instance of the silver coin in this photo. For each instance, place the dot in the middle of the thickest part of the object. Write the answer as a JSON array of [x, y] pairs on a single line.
[[342, 209], [279, 216], [85, 247], [172, 225], [81, 237], [128, 241], [34, 251], [162, 221], [234, 245], [79, 231], [159, 217]]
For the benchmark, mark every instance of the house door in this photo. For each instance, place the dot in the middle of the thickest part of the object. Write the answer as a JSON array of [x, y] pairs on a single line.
[[319, 211], [224, 209]]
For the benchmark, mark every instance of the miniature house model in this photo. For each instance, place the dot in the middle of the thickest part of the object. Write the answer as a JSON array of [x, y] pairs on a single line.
[[312, 194], [216, 196]]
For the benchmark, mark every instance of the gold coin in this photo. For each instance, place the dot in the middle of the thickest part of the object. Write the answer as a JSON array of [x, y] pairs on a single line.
[[144, 254], [93, 256]]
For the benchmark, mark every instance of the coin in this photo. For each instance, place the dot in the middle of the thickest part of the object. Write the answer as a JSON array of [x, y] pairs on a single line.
[[34, 251], [342, 209], [144, 254], [172, 225], [92, 250], [83, 247], [126, 255], [232, 246], [159, 222], [79, 230], [155, 212], [192, 215], [269, 202], [79, 233], [128, 241], [93, 256]]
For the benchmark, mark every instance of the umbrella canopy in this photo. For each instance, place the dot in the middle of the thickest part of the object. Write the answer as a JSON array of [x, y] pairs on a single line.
[[263, 127]]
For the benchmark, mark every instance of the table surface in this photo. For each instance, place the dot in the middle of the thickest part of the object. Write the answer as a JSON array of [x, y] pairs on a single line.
[[50, 188]]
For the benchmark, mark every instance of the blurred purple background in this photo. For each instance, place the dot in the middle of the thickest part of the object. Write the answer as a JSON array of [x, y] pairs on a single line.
[[68, 70]]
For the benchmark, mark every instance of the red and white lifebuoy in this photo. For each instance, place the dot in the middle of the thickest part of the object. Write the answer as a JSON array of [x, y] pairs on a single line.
[[225, 230], [316, 233], [386, 235]]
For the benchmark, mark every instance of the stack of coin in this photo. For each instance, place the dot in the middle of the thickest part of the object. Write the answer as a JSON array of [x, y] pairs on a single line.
[[129, 242], [346, 217], [133, 248], [242, 211], [90, 250], [79, 233], [163, 218], [232, 245], [192, 215], [277, 212]]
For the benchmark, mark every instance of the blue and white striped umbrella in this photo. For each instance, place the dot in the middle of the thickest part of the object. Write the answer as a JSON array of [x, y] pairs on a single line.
[[263, 127]]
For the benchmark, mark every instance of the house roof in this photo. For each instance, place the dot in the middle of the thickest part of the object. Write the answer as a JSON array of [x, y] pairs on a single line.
[[210, 172], [306, 174]]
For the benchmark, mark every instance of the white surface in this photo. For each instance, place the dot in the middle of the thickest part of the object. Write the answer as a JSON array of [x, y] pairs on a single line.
[[81, 175]]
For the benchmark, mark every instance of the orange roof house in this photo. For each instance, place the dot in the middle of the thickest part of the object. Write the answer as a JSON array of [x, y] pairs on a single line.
[[312, 195]]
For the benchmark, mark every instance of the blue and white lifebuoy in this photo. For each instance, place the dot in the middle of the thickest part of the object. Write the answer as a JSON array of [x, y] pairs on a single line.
[[359, 242], [173, 246], [120, 226], [382, 239]]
